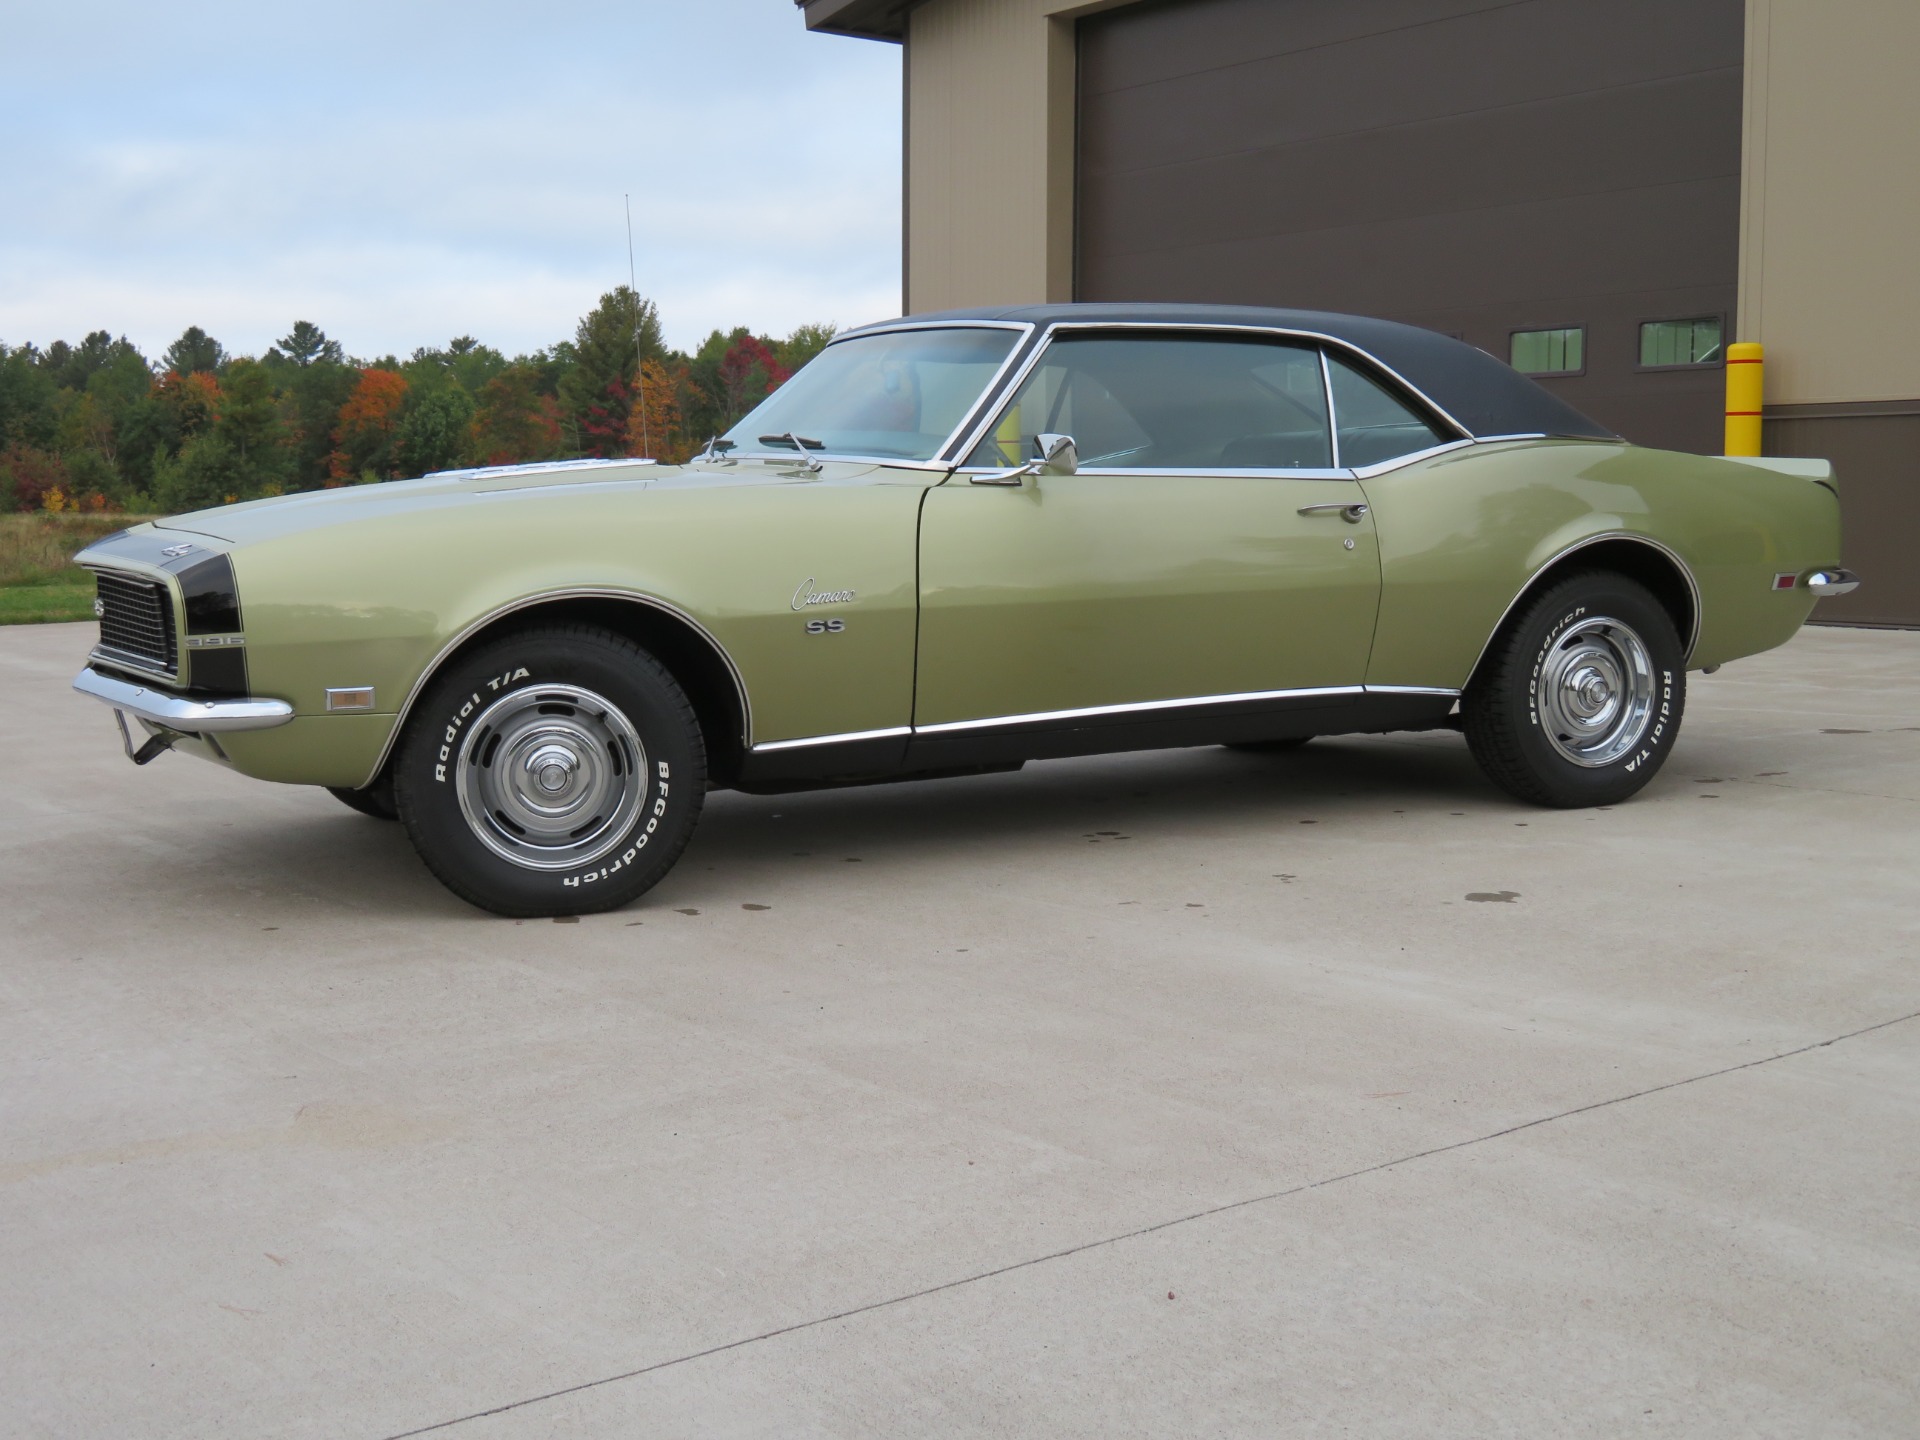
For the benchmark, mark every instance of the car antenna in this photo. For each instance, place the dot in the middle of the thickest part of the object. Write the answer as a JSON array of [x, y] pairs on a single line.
[[639, 360]]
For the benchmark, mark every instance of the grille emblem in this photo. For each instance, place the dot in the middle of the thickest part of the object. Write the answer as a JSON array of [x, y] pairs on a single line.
[[99, 608]]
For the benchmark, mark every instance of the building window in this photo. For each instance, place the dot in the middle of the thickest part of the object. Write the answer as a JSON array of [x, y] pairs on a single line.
[[1549, 352], [1666, 343]]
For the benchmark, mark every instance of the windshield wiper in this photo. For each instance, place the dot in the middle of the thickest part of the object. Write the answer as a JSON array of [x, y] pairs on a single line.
[[798, 442], [716, 451]]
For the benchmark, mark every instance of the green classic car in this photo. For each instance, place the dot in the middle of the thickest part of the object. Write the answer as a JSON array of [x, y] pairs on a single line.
[[955, 543]]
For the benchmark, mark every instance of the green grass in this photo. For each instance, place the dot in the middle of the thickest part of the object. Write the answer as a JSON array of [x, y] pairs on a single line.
[[45, 604], [38, 580]]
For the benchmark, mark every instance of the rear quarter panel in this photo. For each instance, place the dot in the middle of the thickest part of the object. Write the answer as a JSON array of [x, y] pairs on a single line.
[[1462, 535]]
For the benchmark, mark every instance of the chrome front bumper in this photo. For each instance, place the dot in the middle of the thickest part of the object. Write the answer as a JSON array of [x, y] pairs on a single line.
[[175, 712]]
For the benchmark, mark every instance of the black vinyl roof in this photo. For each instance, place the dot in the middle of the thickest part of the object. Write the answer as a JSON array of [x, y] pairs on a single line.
[[1483, 395]]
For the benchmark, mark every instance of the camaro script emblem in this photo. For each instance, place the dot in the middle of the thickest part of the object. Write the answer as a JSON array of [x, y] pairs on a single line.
[[806, 595], [174, 552]]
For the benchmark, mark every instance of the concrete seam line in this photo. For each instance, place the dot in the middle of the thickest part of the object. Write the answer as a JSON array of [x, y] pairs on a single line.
[[1080, 1249]]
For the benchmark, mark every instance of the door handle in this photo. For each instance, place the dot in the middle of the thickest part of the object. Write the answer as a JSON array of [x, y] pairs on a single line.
[[1353, 513]]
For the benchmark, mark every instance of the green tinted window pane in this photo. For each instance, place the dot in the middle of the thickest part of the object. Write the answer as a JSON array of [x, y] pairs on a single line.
[[897, 394], [1681, 342], [1169, 402], [1548, 352], [1373, 424]]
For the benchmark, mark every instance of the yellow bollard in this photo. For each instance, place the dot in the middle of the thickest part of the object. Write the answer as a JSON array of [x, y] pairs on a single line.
[[1745, 367]]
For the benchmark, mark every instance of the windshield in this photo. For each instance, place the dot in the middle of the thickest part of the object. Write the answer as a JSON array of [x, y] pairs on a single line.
[[897, 395]]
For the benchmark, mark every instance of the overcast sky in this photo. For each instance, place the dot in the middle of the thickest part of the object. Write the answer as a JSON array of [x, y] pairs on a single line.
[[400, 173]]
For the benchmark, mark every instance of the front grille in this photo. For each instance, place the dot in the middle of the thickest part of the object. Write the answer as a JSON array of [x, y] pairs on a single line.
[[136, 622]]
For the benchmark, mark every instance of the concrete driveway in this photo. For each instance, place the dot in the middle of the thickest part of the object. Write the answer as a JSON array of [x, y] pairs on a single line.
[[1175, 1094]]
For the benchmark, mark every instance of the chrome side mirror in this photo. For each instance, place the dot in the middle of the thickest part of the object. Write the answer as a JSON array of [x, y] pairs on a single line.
[[1058, 455]]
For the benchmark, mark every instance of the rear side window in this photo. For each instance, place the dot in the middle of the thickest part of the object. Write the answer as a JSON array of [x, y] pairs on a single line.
[[1170, 402], [1373, 425]]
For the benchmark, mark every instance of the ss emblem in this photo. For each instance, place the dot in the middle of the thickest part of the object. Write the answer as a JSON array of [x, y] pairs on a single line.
[[825, 627]]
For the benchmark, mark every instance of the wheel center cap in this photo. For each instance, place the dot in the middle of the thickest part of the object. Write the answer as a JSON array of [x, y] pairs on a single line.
[[553, 768], [1588, 692]]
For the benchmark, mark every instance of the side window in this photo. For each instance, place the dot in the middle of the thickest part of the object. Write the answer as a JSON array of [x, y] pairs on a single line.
[[1374, 424], [1170, 402]]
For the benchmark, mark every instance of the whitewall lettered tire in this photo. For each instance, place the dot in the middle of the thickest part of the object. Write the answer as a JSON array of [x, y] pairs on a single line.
[[552, 771], [1580, 698]]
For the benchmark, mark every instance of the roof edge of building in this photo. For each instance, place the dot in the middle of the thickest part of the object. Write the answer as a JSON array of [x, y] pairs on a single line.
[[861, 19]]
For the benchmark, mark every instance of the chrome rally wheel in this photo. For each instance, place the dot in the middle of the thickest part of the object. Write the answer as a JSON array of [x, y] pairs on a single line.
[[1579, 697], [1596, 691], [557, 770], [551, 777]]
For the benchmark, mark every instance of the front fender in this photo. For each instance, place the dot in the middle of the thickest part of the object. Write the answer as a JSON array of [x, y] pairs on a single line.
[[380, 602]]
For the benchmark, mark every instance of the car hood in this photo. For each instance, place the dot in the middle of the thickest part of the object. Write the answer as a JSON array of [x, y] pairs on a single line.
[[256, 520]]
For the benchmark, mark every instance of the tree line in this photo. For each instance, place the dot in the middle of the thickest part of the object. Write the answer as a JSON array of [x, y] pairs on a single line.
[[97, 426]]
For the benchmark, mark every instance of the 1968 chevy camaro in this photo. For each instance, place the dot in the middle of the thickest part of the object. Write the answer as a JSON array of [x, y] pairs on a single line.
[[954, 543]]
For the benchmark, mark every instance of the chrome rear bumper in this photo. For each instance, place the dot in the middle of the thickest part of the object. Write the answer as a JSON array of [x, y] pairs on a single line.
[[1831, 580], [175, 712]]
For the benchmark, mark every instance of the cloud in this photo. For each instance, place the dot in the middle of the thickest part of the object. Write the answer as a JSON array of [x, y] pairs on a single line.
[[275, 171]]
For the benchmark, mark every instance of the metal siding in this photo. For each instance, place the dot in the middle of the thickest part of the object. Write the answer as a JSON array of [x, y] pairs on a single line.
[[1876, 459], [1471, 168]]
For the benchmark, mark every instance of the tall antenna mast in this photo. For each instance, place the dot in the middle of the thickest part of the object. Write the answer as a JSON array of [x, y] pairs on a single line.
[[639, 359]]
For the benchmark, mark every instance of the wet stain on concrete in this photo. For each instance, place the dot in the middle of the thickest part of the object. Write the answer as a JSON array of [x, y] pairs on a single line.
[[1495, 897], [756, 907], [688, 910]]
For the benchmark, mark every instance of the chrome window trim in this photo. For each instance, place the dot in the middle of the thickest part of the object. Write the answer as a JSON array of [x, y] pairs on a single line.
[[884, 327], [934, 461], [1221, 473], [850, 737], [1315, 337], [1333, 417], [528, 602], [1367, 472], [1686, 571]]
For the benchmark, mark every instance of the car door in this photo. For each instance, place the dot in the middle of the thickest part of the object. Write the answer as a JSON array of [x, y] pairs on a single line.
[[1205, 553]]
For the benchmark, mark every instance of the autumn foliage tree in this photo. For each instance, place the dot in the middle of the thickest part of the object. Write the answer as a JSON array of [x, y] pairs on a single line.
[[105, 428], [514, 421], [653, 424], [365, 434]]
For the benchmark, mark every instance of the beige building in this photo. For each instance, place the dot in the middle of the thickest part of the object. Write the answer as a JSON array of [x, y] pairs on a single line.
[[1604, 192]]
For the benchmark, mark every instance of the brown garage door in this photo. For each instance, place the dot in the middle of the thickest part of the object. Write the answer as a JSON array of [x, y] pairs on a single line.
[[1568, 170]]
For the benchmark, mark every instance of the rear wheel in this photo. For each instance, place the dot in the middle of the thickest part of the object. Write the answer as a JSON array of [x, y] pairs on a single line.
[[1580, 699], [552, 772]]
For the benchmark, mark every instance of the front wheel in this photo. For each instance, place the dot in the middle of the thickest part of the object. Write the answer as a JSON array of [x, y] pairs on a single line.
[[375, 801], [1580, 698], [554, 771]]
